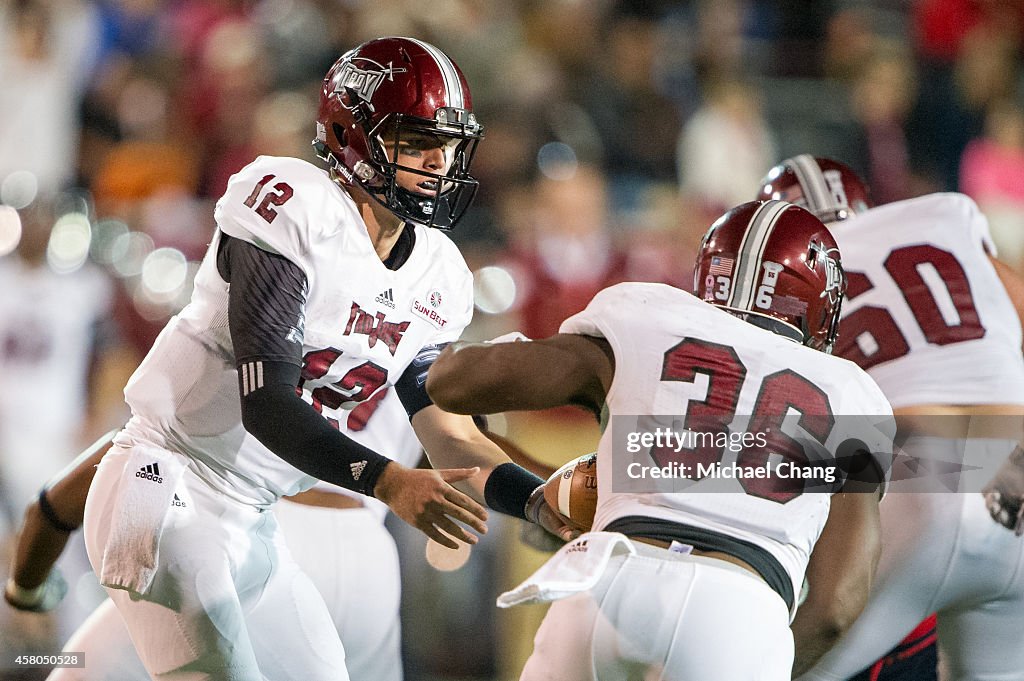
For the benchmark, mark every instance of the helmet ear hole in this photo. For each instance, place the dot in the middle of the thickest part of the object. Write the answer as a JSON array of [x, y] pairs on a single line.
[[339, 134]]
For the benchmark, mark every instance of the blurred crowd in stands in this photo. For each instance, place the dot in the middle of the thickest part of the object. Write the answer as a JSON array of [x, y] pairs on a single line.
[[616, 131]]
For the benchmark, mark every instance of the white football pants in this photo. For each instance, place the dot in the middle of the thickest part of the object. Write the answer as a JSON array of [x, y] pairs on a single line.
[[226, 586], [353, 563], [941, 552], [659, 616]]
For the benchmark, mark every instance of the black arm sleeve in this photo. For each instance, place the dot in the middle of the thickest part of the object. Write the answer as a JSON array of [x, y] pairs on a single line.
[[411, 386], [265, 307], [266, 302], [290, 428]]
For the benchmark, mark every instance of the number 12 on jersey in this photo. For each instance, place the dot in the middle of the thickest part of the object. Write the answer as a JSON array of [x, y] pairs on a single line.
[[281, 192]]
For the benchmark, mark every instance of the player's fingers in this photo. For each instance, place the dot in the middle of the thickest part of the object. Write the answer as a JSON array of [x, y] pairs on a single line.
[[551, 519], [429, 529], [451, 475], [452, 529], [556, 524], [465, 509]]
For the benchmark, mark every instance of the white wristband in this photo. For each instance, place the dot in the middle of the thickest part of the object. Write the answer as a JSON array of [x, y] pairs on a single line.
[[511, 337], [533, 503], [23, 596]]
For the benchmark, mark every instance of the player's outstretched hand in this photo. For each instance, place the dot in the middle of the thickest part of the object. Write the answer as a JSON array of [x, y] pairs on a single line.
[[1004, 495], [43, 598], [425, 499]]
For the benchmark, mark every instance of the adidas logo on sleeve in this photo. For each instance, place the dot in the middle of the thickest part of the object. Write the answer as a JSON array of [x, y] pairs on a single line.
[[150, 472], [357, 469]]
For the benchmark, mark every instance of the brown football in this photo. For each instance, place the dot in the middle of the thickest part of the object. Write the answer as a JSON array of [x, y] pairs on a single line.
[[572, 491]]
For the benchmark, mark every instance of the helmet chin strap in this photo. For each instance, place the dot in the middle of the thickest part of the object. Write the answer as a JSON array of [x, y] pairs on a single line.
[[776, 326], [434, 209], [429, 211], [407, 206], [761, 321]]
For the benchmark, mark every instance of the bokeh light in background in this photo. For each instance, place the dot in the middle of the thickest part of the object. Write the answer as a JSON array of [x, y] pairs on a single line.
[[164, 284], [128, 251], [163, 274], [494, 289], [109, 241], [69, 243], [19, 189], [10, 229], [557, 161]]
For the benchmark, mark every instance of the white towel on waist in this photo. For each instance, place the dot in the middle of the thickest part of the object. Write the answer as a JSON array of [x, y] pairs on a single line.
[[147, 487], [576, 567]]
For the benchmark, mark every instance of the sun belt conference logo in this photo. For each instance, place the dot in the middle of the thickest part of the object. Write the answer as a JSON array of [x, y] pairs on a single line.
[[428, 310]]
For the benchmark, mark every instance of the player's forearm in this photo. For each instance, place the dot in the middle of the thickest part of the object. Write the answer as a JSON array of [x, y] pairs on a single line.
[[811, 640], [458, 453], [820, 623], [516, 453], [504, 486], [291, 429], [454, 441], [39, 546], [839, 574], [486, 378], [460, 383]]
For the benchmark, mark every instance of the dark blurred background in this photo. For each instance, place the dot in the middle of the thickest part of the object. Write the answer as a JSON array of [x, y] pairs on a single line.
[[616, 132]]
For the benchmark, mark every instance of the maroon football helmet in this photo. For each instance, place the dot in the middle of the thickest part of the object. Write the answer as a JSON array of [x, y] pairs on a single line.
[[827, 188], [382, 92], [777, 266]]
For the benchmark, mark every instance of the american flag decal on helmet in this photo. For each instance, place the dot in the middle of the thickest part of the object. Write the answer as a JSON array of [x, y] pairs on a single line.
[[720, 265]]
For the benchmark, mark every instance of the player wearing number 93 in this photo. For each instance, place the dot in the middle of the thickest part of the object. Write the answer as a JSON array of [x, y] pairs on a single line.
[[320, 287], [930, 315], [682, 582]]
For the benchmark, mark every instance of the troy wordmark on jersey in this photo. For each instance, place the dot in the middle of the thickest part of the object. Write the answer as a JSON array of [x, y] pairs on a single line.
[[375, 326]]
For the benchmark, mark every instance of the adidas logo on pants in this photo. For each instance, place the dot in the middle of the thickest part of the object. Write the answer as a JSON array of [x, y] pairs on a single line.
[[150, 472]]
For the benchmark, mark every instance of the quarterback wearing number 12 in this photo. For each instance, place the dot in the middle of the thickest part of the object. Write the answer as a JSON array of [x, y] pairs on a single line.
[[321, 286]]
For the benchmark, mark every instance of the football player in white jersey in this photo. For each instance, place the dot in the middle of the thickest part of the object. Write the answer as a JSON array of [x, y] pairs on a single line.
[[58, 341], [319, 288], [681, 582], [929, 316], [361, 551]]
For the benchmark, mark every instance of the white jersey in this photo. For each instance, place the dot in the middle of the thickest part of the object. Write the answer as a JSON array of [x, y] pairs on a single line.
[[925, 312], [676, 355], [364, 325], [381, 424]]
